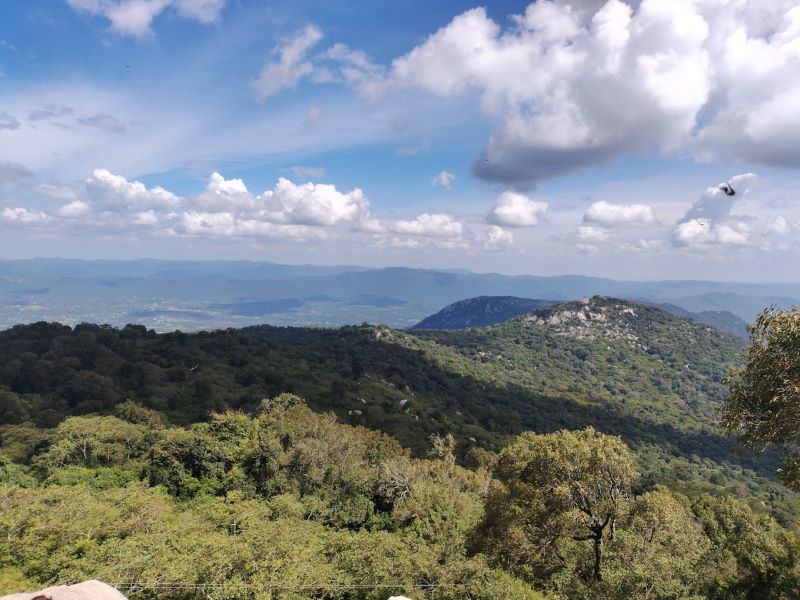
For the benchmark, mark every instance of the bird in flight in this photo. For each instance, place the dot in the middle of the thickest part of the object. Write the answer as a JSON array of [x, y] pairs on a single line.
[[727, 188]]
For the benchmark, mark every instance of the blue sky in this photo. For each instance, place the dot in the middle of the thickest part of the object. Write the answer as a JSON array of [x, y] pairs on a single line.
[[554, 137]]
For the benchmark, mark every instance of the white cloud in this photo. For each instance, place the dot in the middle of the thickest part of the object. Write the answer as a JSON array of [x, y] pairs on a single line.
[[146, 218], [606, 213], [115, 193], [516, 210], [703, 232], [498, 239], [313, 204], [778, 226], [135, 17], [553, 79], [592, 233], [443, 179], [225, 195], [372, 226], [709, 220], [431, 225], [74, 210], [224, 224], [24, 215], [714, 204], [291, 65]]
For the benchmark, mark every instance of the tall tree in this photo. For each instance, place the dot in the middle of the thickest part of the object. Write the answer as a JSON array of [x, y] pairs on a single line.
[[554, 490], [764, 405]]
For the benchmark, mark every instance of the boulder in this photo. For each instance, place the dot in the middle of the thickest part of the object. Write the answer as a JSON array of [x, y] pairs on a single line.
[[88, 590]]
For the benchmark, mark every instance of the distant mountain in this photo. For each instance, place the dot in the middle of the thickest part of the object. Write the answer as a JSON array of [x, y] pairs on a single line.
[[490, 310], [480, 311], [722, 320], [193, 295]]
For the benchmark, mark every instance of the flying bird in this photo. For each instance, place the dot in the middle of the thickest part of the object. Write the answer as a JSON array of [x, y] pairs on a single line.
[[727, 188]]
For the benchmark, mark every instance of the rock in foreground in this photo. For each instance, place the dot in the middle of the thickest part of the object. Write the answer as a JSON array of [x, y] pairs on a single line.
[[88, 590]]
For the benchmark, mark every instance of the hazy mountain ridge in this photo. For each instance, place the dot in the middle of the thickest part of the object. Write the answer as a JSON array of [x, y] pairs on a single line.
[[116, 292]]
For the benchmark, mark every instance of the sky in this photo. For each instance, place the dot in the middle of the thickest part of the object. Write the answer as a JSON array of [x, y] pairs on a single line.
[[556, 137]]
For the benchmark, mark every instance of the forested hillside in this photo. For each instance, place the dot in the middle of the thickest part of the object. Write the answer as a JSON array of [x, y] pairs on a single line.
[[653, 378], [288, 504], [138, 426]]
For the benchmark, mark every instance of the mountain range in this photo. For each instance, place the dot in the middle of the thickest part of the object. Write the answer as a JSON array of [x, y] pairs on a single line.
[[194, 295]]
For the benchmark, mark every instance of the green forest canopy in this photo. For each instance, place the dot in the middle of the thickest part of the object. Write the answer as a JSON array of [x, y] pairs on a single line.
[[107, 414]]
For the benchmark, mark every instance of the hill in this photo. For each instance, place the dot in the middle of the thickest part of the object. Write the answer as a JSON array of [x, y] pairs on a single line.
[[490, 310], [480, 311], [625, 368]]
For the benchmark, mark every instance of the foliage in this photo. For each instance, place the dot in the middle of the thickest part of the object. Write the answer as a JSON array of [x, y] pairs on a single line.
[[764, 406], [564, 486], [290, 504]]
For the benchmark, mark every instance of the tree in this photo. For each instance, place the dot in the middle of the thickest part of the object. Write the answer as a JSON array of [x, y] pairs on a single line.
[[556, 488], [93, 441], [753, 556], [764, 405], [661, 551]]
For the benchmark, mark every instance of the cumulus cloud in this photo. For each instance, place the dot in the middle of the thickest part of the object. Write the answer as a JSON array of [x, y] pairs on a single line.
[[431, 225], [714, 204], [552, 80], [314, 204], [709, 221], [224, 208], [516, 210], [74, 210], [606, 213], [498, 239], [115, 193], [291, 65], [225, 195], [704, 231], [24, 215], [8, 121], [224, 224], [135, 17], [443, 179]]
